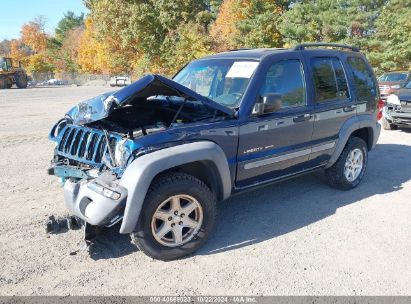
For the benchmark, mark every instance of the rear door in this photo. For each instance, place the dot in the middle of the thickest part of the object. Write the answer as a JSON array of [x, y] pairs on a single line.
[[333, 104], [277, 144]]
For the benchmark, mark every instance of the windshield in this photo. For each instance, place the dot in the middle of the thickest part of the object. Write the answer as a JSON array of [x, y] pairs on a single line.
[[408, 86], [222, 80], [393, 77]]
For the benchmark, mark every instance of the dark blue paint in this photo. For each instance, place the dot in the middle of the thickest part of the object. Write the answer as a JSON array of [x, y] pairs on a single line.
[[226, 132]]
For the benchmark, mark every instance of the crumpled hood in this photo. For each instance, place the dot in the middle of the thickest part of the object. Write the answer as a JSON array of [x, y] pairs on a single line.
[[101, 106]]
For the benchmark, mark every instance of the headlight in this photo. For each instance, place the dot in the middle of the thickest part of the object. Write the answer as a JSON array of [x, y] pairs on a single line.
[[395, 86], [121, 153]]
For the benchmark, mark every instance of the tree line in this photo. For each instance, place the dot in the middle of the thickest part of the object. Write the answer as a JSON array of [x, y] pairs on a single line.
[[160, 36]]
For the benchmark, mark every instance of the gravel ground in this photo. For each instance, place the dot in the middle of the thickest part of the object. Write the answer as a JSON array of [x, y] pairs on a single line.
[[300, 237]]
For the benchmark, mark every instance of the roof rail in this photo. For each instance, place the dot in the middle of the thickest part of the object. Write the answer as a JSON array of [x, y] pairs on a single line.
[[302, 46], [239, 49]]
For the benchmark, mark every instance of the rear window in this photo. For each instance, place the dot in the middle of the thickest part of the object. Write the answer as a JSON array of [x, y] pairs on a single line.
[[329, 78], [365, 85], [394, 77]]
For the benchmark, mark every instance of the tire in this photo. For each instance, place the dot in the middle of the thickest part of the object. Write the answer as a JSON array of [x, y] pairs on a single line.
[[386, 125], [21, 80], [336, 174], [187, 190]]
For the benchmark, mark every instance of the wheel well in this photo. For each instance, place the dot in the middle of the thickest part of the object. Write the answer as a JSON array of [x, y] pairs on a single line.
[[206, 171], [365, 134]]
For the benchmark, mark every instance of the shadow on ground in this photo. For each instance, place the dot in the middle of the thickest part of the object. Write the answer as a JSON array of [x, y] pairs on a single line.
[[268, 212], [110, 244]]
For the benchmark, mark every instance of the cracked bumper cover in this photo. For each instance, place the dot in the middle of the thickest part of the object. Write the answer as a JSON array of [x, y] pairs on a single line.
[[92, 207]]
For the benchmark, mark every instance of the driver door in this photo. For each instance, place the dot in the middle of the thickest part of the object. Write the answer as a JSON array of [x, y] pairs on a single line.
[[277, 144]]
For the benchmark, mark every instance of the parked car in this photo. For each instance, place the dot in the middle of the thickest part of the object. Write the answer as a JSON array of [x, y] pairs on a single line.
[[119, 81], [56, 82], [392, 81], [397, 109], [159, 154]]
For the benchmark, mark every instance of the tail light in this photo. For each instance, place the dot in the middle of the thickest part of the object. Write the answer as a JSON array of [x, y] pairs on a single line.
[[380, 106]]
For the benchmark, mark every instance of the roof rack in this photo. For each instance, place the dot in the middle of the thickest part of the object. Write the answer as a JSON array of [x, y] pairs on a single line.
[[240, 49], [302, 46]]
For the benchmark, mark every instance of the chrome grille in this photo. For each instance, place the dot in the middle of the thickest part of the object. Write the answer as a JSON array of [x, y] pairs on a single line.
[[84, 144]]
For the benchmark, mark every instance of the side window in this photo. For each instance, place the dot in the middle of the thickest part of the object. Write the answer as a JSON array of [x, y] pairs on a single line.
[[286, 78], [365, 86], [329, 79]]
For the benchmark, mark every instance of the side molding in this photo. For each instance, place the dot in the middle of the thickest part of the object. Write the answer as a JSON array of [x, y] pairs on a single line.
[[139, 174]]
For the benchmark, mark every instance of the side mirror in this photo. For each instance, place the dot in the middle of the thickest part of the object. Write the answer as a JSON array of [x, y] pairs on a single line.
[[268, 103]]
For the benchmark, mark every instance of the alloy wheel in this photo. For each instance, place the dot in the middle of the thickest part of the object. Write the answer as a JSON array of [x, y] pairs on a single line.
[[177, 220]]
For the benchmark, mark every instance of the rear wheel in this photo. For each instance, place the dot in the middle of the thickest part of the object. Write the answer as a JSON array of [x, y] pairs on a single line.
[[386, 125], [349, 169], [21, 80], [177, 217]]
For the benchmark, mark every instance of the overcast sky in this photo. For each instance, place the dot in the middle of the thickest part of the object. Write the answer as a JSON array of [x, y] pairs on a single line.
[[15, 13]]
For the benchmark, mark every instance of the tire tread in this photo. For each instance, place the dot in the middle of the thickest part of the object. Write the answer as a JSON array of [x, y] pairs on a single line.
[[156, 185], [335, 174]]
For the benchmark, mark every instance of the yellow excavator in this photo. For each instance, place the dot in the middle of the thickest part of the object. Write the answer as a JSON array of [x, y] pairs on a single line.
[[10, 75]]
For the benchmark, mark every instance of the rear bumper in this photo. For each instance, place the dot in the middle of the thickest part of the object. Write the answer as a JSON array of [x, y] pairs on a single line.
[[92, 207]]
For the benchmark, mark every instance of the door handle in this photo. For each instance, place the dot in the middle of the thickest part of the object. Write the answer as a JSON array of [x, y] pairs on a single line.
[[263, 128], [302, 118], [349, 108]]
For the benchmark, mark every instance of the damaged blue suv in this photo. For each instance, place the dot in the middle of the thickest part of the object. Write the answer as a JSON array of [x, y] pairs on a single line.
[[159, 154]]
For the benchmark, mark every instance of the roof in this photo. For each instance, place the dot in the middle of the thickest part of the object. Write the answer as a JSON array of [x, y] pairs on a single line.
[[260, 53], [246, 53]]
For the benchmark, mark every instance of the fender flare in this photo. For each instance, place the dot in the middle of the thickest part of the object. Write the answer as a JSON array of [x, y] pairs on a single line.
[[140, 173], [350, 126]]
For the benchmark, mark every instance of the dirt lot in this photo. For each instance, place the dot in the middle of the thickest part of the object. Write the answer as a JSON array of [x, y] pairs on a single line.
[[295, 238]]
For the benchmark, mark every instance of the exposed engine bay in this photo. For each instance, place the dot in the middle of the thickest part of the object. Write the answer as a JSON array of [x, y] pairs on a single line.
[[156, 114]]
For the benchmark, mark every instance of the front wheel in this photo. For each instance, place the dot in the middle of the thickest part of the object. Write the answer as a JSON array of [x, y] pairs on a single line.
[[349, 169], [177, 217]]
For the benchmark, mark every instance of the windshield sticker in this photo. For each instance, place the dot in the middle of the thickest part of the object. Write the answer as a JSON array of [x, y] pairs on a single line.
[[242, 69]]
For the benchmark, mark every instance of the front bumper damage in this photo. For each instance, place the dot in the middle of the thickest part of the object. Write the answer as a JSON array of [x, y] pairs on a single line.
[[98, 201], [395, 115]]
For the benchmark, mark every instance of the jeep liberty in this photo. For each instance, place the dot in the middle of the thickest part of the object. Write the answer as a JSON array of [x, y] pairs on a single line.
[[158, 154]]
